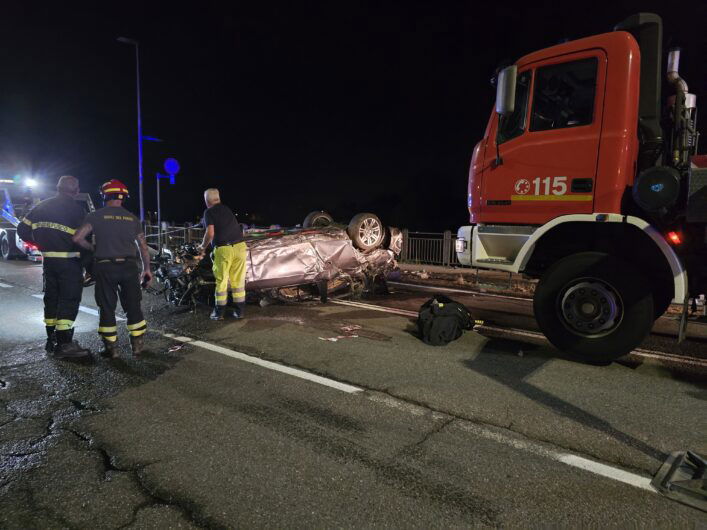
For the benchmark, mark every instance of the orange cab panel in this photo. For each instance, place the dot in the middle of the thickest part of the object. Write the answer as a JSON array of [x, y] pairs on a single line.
[[549, 147]]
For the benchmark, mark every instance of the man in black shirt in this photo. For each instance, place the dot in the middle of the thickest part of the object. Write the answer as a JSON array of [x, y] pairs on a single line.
[[50, 225], [116, 232], [221, 228]]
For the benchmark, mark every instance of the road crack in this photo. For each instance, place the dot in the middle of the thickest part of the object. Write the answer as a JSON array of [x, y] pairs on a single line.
[[411, 448]]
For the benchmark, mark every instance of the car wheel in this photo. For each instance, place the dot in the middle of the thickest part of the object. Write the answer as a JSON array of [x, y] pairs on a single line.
[[4, 247], [366, 231], [317, 219], [593, 306]]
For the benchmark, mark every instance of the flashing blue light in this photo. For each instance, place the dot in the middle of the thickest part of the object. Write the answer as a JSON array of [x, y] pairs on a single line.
[[658, 187]]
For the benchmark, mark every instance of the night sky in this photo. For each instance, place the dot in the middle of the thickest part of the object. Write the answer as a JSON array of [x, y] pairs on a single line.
[[287, 107]]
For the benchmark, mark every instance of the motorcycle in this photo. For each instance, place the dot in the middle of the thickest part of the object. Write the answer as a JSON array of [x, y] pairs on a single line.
[[186, 276]]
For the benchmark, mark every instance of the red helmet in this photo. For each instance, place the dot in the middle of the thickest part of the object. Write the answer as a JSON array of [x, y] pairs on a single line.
[[114, 187]]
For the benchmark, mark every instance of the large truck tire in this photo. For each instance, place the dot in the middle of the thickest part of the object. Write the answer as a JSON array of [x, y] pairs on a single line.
[[317, 219], [366, 231], [4, 246], [594, 307]]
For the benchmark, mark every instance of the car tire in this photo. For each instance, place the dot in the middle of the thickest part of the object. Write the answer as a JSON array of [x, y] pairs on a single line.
[[317, 219], [393, 240], [4, 247], [598, 291], [366, 231]]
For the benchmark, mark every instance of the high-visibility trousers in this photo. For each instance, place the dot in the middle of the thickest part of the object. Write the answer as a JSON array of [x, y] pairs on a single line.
[[229, 271], [115, 281]]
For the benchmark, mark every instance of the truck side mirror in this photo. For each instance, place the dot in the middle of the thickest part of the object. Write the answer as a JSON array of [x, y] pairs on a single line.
[[506, 90]]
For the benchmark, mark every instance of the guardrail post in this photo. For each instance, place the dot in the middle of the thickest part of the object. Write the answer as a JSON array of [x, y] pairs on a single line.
[[447, 248], [406, 242]]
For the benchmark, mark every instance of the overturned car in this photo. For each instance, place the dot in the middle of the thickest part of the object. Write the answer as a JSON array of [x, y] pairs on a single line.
[[316, 260]]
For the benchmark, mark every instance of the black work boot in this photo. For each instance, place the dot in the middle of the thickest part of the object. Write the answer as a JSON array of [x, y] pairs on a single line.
[[110, 349], [51, 339], [217, 313], [137, 343], [239, 310], [67, 348]]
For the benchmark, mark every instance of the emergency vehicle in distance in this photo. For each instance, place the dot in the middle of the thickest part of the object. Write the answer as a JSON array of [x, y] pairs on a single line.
[[588, 180], [18, 197]]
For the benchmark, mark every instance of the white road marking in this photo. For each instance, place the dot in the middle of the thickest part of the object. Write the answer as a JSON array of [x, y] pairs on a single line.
[[592, 466], [6, 286], [268, 364], [83, 309], [611, 472]]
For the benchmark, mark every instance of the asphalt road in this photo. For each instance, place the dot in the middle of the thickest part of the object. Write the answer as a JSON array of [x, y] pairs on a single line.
[[265, 423]]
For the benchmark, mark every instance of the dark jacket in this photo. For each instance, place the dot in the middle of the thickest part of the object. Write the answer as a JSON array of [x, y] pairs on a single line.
[[52, 223]]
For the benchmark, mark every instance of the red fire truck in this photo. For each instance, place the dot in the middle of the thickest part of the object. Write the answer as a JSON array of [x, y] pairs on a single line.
[[588, 179]]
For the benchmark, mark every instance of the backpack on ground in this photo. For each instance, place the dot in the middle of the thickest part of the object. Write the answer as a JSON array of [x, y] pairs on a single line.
[[442, 320]]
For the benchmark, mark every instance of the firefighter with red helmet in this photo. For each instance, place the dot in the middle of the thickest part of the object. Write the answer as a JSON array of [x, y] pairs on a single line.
[[50, 225], [116, 232]]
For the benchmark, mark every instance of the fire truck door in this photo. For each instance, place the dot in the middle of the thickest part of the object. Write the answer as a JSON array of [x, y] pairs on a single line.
[[549, 147]]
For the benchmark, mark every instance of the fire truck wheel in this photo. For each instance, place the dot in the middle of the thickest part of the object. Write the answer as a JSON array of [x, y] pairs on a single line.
[[593, 306], [366, 231], [662, 298], [4, 247], [317, 219]]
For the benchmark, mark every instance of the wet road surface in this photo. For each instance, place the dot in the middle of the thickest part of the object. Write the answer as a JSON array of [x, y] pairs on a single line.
[[394, 432]]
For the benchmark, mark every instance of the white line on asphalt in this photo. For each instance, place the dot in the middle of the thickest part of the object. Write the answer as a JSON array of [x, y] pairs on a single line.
[[611, 472], [83, 309], [614, 473], [459, 291], [5, 286], [268, 364]]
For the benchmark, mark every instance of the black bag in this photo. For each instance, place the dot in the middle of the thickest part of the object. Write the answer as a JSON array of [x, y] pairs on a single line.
[[442, 320]]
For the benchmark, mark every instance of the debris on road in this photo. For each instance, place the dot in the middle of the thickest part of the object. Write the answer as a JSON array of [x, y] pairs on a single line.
[[338, 337]]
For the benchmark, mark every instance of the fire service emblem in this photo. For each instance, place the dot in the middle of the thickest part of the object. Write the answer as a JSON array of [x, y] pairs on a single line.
[[522, 186]]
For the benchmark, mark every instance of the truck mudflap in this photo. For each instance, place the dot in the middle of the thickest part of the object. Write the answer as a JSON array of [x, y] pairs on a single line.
[[682, 330]]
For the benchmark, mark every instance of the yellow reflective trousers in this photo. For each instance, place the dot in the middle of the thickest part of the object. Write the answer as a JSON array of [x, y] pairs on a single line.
[[229, 270]]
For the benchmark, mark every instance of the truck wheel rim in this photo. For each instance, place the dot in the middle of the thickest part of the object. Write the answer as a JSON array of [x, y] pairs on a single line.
[[369, 232], [590, 308]]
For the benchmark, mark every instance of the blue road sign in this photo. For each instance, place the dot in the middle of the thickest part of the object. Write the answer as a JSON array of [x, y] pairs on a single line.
[[171, 166]]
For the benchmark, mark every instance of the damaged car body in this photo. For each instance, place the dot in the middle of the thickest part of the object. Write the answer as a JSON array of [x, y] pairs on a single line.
[[293, 264]]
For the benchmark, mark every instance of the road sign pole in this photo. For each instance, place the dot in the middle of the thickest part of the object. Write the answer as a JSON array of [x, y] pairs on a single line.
[[159, 217], [171, 166]]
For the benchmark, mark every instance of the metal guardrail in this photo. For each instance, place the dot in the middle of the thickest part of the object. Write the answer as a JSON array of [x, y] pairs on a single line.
[[173, 236], [424, 248], [429, 248]]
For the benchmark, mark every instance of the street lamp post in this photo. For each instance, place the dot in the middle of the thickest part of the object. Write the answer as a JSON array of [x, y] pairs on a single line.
[[133, 42]]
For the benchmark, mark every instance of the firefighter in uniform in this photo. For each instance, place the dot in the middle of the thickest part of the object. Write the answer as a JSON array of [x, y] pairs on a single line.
[[116, 232], [50, 225], [223, 230]]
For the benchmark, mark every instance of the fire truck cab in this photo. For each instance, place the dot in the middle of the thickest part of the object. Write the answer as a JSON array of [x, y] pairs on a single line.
[[587, 180]]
